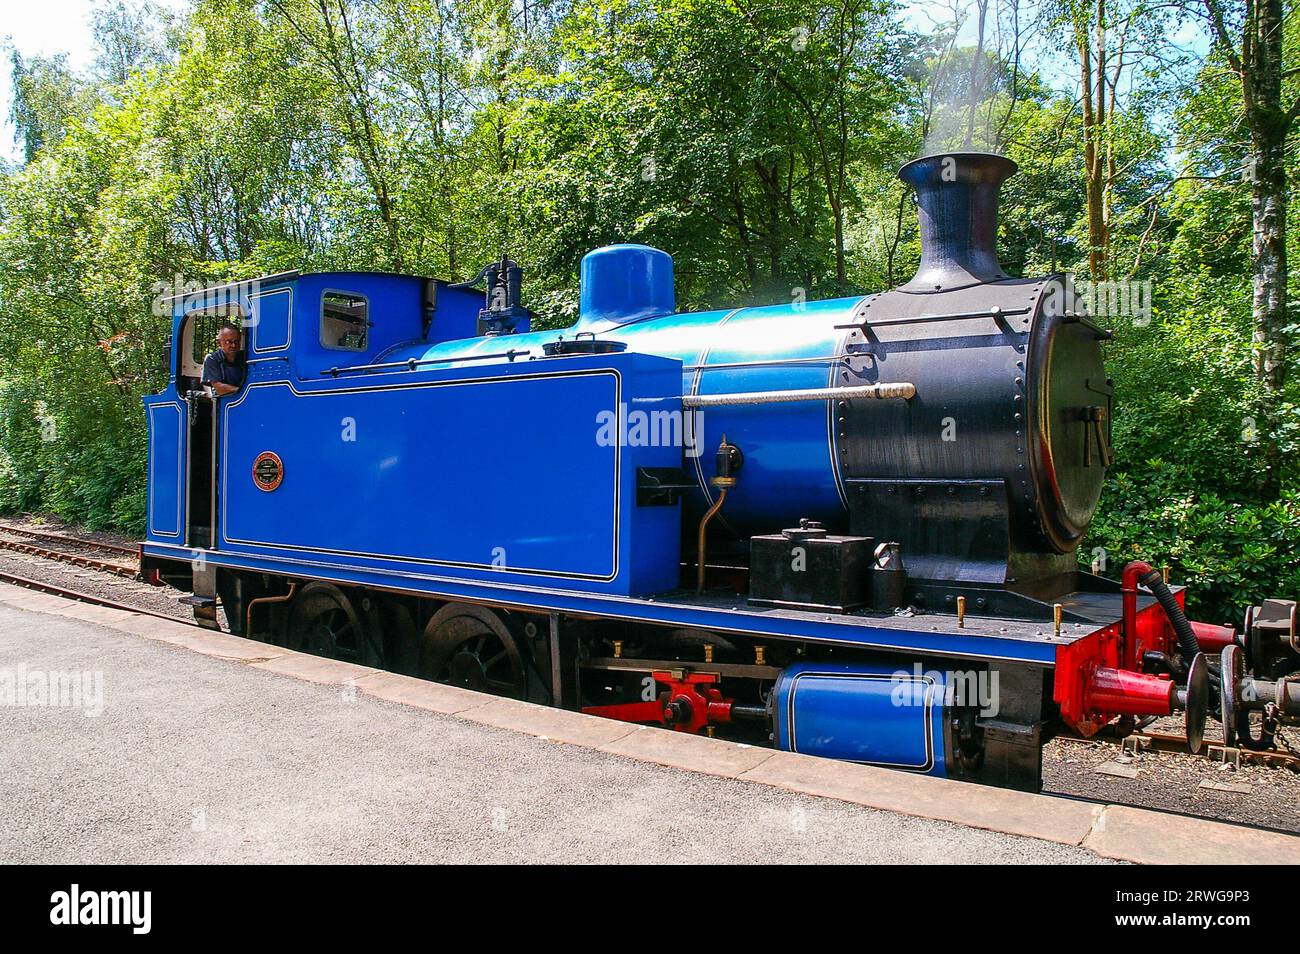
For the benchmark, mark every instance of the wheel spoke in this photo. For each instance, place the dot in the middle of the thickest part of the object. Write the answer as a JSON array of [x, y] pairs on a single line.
[[473, 651]]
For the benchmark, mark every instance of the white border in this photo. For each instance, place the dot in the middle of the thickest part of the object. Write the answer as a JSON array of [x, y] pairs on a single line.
[[927, 717], [257, 322], [180, 467], [420, 561]]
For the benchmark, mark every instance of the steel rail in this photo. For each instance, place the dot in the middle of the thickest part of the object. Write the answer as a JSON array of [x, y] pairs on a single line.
[[1177, 745], [63, 538], [55, 590], [74, 559]]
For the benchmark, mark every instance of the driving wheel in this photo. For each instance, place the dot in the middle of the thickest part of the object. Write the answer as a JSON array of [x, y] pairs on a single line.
[[473, 647], [324, 621]]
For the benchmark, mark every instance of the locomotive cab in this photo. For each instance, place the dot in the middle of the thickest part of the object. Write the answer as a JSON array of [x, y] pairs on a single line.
[[294, 327]]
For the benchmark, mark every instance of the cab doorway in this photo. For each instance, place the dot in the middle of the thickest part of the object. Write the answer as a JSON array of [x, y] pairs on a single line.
[[199, 339]]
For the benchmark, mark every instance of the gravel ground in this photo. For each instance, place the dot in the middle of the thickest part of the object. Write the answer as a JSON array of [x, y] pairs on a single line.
[[1166, 781], [196, 759], [1172, 781], [95, 583]]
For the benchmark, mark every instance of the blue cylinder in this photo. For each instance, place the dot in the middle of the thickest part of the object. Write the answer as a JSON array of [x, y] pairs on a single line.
[[622, 283], [871, 714]]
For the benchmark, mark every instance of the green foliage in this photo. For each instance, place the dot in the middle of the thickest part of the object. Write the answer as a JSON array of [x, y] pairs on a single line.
[[1228, 553], [727, 135], [85, 466], [45, 96]]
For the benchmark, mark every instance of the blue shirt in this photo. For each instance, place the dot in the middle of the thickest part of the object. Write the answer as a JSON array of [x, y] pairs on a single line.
[[217, 369]]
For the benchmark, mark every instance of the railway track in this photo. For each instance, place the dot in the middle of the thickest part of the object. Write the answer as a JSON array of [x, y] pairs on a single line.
[[64, 538], [1214, 751], [64, 556], [55, 590], [1139, 742]]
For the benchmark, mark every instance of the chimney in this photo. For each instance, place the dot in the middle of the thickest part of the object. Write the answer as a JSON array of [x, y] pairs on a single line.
[[957, 205]]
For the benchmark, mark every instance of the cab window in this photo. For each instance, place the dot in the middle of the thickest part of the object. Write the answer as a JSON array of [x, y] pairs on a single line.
[[344, 321], [205, 325], [199, 339]]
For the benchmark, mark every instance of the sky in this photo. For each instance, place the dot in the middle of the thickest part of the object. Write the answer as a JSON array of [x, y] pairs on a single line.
[[46, 27]]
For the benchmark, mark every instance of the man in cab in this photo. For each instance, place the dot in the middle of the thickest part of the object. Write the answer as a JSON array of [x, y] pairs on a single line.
[[224, 369]]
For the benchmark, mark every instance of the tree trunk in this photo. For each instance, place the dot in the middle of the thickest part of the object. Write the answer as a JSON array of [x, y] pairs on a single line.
[[1268, 204], [1093, 82], [841, 265], [1268, 124]]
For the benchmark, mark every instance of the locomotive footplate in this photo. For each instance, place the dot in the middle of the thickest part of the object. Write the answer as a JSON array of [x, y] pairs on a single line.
[[926, 631]]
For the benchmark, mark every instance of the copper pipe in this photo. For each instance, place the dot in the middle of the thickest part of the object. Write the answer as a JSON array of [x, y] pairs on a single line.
[[704, 524], [248, 617]]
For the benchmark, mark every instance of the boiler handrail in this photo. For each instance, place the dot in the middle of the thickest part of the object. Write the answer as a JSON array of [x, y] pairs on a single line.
[[880, 392]]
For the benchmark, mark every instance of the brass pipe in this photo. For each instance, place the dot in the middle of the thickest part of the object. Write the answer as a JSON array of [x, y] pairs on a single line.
[[700, 546], [248, 617]]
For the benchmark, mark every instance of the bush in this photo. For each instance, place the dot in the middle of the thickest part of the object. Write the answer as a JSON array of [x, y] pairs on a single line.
[[83, 461], [1229, 553]]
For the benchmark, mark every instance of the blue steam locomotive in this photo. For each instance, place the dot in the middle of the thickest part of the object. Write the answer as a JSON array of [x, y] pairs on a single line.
[[847, 527]]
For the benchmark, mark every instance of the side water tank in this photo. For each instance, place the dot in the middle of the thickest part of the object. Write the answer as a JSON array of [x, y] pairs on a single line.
[[622, 283]]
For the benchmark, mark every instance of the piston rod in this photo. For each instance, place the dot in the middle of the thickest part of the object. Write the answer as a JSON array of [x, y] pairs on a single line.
[[879, 392]]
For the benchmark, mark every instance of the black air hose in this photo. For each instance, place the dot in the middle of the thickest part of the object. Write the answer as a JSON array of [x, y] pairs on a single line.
[[1187, 644]]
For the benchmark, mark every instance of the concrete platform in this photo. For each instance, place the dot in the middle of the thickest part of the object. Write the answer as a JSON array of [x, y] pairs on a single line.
[[211, 748]]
